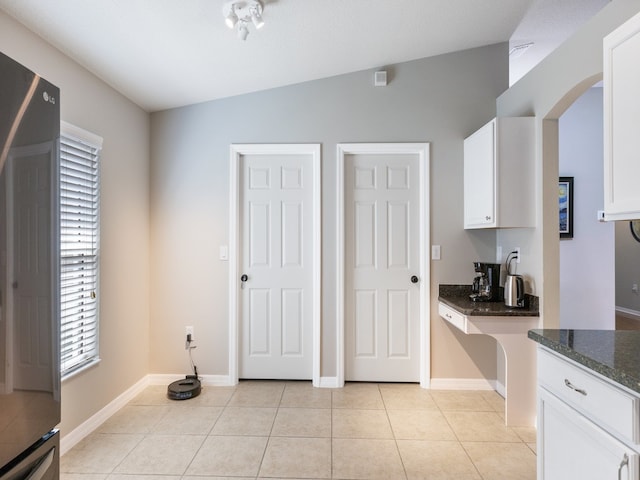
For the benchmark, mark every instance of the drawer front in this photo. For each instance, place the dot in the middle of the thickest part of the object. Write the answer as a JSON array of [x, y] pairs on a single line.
[[598, 399], [455, 318]]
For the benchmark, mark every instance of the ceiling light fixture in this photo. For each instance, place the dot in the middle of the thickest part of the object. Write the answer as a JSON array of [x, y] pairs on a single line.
[[238, 13]]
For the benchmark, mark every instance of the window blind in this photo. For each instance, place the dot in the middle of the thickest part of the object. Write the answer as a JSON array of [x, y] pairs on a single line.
[[79, 249]]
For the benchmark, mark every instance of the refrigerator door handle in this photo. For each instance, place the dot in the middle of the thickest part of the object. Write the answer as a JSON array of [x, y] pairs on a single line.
[[40, 470]]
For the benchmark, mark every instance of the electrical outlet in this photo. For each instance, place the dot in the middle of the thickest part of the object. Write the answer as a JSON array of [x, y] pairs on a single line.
[[634, 288], [189, 331], [517, 250]]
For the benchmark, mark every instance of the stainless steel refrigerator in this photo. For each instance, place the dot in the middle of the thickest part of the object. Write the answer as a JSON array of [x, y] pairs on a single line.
[[29, 274]]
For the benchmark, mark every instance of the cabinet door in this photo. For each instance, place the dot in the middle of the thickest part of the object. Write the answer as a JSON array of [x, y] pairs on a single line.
[[622, 122], [480, 178], [570, 446]]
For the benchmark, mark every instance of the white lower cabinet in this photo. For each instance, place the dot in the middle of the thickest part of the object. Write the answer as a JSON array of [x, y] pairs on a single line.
[[573, 447], [574, 439]]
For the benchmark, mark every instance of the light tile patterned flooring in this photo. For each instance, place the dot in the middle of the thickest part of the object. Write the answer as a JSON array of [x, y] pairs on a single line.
[[291, 430]]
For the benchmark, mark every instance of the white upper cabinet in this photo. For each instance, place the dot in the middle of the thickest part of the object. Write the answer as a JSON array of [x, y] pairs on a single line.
[[622, 122], [499, 176]]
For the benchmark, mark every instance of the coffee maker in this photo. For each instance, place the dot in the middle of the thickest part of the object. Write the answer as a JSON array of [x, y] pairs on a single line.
[[486, 284]]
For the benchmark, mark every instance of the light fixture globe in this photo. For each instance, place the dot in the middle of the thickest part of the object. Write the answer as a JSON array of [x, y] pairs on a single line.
[[231, 19], [256, 17], [238, 13]]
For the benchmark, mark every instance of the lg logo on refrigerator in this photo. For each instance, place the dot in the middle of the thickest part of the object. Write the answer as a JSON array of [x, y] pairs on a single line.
[[48, 98]]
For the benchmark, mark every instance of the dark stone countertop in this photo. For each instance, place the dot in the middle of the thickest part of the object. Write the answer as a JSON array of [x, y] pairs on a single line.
[[457, 297], [615, 354]]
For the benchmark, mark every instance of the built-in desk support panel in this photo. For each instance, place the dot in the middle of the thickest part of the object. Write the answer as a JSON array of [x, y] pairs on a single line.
[[509, 327]]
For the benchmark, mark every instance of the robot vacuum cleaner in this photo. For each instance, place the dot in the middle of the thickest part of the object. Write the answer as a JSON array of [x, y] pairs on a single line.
[[190, 386], [184, 389]]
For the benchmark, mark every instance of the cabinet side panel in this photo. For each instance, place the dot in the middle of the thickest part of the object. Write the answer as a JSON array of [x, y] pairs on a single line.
[[515, 172]]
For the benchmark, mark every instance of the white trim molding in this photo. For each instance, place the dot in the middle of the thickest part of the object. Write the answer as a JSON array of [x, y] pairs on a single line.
[[422, 150], [205, 380], [236, 152], [465, 384], [329, 382], [628, 313]]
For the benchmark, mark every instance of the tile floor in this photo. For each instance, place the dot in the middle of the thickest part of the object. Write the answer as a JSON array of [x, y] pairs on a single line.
[[292, 430]]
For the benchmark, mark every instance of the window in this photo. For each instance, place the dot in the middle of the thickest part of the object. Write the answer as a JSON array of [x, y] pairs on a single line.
[[79, 247]]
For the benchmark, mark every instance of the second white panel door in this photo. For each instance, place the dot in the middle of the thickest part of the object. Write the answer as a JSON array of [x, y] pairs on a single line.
[[382, 272], [276, 266]]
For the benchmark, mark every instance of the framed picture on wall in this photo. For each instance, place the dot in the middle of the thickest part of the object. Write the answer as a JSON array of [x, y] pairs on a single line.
[[565, 206]]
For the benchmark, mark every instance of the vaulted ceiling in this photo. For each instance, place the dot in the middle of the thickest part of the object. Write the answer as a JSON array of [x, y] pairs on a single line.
[[168, 53]]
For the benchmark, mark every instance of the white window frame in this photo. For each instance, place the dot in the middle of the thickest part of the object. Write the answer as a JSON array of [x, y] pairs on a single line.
[[88, 144]]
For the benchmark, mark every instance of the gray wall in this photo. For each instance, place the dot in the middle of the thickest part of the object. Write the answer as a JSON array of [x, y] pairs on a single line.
[[587, 261], [440, 100]]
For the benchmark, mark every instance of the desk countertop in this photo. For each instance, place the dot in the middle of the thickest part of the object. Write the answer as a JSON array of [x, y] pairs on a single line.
[[457, 297]]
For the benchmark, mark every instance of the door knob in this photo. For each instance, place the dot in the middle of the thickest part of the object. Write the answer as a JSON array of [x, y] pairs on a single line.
[[414, 279], [244, 277]]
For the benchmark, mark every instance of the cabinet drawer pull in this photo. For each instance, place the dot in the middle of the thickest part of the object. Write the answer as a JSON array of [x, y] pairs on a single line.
[[574, 388], [623, 463]]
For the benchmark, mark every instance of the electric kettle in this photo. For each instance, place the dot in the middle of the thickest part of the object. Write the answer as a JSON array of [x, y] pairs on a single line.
[[514, 291]]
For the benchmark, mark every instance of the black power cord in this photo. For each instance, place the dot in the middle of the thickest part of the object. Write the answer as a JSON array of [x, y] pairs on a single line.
[[511, 257], [189, 346]]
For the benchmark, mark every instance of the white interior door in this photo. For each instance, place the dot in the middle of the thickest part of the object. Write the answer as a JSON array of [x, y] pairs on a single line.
[[276, 265], [30, 266], [382, 267]]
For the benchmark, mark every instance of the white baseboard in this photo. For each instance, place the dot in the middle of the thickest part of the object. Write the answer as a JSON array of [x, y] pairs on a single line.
[[438, 384], [499, 388], [329, 382], [68, 441], [205, 380], [463, 384], [629, 313]]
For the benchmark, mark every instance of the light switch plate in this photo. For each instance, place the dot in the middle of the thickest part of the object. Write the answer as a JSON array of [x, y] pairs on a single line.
[[435, 252], [224, 252]]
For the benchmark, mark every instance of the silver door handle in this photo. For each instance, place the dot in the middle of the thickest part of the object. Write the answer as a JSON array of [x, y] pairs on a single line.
[[623, 463], [41, 469], [574, 388]]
